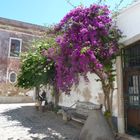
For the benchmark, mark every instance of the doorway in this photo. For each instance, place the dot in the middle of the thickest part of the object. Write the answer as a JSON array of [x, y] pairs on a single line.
[[131, 73]]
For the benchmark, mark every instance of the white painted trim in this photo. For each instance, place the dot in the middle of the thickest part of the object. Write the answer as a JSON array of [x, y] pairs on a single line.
[[129, 7], [10, 46], [130, 41], [9, 77]]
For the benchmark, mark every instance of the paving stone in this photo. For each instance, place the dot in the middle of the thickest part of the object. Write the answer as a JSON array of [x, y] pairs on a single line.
[[23, 122]]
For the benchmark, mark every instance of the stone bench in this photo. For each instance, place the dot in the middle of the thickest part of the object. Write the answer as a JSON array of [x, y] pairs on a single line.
[[80, 112]]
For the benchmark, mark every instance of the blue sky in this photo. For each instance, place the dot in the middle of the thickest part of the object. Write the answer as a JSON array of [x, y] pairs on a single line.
[[43, 12]]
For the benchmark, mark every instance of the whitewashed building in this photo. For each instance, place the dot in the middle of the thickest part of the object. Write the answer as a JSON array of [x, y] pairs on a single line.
[[126, 100]]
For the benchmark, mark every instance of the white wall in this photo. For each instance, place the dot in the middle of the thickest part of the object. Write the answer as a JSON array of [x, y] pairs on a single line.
[[90, 92], [84, 92], [128, 21]]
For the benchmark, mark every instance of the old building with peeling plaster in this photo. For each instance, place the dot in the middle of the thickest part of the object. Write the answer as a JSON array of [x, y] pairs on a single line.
[[15, 37]]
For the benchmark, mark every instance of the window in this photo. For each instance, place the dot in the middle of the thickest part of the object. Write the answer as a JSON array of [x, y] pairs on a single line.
[[14, 47], [132, 56], [133, 90], [12, 77]]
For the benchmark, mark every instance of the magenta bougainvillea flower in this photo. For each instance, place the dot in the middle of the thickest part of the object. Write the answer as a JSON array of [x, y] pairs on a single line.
[[88, 44]]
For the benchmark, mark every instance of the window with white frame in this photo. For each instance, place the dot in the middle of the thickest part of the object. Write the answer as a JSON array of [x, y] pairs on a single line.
[[14, 47], [12, 77]]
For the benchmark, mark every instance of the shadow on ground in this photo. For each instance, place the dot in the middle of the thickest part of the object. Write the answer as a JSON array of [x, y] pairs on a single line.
[[47, 124]]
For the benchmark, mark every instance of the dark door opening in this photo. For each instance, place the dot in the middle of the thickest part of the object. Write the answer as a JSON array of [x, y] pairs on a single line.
[[131, 69], [132, 102]]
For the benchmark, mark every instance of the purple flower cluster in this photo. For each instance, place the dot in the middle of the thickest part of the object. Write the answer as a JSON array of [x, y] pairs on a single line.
[[89, 42]]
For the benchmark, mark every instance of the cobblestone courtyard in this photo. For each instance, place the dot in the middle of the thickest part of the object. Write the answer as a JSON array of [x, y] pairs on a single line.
[[23, 122]]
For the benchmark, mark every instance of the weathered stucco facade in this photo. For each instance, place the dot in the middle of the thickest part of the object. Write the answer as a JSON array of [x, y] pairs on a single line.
[[128, 21], [14, 33]]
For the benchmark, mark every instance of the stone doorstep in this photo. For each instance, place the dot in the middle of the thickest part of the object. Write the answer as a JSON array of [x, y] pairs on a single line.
[[127, 137]]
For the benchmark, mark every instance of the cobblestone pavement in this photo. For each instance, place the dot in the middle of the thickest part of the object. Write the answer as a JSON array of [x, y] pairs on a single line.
[[23, 122]]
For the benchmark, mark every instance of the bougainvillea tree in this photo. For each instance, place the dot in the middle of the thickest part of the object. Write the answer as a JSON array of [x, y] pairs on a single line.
[[89, 43]]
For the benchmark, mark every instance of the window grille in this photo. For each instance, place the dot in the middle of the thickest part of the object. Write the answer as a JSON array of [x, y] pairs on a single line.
[[132, 56]]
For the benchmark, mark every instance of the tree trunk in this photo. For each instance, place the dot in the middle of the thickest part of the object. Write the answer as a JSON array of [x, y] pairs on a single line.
[[56, 97], [108, 93], [107, 80], [37, 103], [37, 92]]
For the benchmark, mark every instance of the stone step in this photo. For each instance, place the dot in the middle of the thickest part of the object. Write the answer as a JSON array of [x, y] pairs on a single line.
[[82, 121], [80, 116]]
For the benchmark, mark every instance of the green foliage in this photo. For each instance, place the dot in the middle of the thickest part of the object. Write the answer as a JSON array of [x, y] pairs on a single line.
[[56, 109], [37, 69], [107, 114], [84, 50]]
